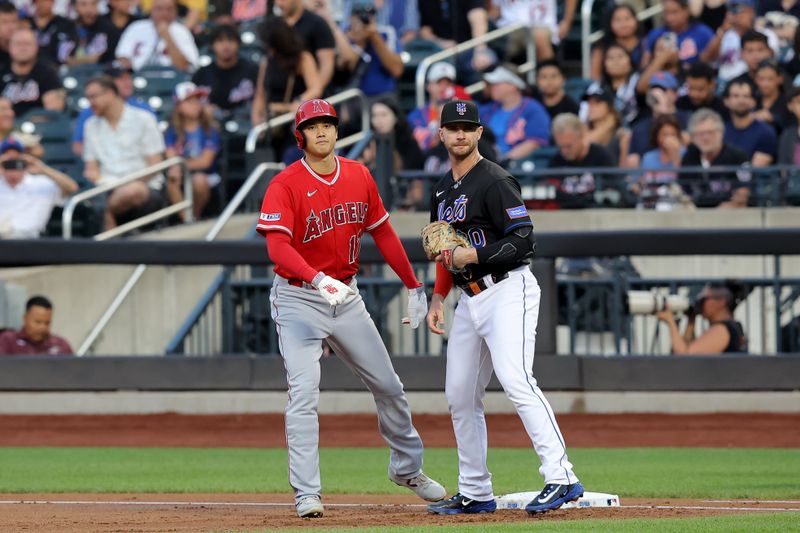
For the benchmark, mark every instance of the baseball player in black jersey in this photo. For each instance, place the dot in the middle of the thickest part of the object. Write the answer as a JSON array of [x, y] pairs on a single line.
[[494, 327]]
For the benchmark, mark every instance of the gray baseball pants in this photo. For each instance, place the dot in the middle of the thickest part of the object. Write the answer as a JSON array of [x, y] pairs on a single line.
[[303, 319]]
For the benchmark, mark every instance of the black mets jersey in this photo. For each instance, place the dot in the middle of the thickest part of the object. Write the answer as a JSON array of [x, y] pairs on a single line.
[[484, 206]]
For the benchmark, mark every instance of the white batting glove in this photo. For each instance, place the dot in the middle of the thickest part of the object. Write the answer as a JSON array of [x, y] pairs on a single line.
[[417, 307], [334, 291]]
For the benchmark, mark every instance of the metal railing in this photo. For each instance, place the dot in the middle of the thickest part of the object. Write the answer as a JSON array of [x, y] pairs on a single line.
[[425, 64], [776, 185], [588, 38], [212, 234], [287, 118], [184, 205]]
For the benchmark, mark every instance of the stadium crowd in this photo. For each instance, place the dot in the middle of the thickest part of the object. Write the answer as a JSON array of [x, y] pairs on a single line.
[[704, 84]]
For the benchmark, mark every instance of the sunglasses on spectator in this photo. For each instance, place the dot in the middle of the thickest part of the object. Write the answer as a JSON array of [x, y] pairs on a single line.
[[14, 164]]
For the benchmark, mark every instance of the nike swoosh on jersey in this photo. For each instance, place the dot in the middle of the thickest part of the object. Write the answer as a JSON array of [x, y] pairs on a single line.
[[438, 193], [311, 193]]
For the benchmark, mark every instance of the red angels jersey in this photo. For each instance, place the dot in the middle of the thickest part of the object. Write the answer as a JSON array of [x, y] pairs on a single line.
[[325, 219]]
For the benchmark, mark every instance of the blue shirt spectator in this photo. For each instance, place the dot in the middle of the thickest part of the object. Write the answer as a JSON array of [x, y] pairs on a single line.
[[758, 136], [401, 15], [515, 120], [690, 42], [376, 78], [194, 143]]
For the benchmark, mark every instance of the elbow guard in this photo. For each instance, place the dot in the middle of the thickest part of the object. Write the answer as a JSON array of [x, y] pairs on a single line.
[[516, 247]]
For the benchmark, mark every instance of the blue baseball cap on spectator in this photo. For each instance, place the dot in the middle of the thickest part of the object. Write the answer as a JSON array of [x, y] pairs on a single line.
[[665, 80], [11, 144]]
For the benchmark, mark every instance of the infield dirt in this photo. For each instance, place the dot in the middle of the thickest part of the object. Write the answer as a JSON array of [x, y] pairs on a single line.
[[264, 512]]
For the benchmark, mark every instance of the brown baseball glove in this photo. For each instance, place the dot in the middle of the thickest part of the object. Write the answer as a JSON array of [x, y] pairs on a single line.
[[440, 238]]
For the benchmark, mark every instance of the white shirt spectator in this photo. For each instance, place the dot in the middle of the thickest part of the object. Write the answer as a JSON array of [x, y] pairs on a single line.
[[123, 150], [731, 63], [531, 13], [141, 44], [26, 208]]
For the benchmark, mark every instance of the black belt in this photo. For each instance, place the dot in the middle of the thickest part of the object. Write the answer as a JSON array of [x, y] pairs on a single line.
[[475, 287]]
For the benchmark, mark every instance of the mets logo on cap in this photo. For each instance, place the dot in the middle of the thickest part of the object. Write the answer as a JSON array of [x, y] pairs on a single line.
[[461, 108]]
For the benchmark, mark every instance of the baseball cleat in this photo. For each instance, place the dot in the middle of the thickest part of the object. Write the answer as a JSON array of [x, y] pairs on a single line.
[[309, 507], [554, 496], [460, 504], [423, 486]]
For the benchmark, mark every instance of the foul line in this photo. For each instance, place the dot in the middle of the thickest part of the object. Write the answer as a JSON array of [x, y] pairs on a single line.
[[384, 505], [709, 508]]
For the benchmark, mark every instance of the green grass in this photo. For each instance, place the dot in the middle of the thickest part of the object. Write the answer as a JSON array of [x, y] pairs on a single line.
[[641, 472], [718, 524]]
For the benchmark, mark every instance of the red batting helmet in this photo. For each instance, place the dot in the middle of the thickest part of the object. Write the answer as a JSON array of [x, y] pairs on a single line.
[[312, 109]]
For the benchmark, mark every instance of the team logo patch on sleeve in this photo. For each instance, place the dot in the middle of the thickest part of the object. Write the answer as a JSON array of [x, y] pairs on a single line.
[[517, 212], [270, 217]]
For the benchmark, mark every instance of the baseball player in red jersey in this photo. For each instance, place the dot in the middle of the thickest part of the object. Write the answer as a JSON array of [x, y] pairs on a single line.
[[313, 217]]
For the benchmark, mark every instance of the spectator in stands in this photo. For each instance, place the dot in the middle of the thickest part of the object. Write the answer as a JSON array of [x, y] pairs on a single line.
[[9, 23], [120, 15], [373, 56], [521, 124], [194, 135], [441, 87], [661, 98], [394, 140], [621, 76], [756, 138], [287, 76], [29, 190], [710, 12], [709, 149], [448, 23], [121, 139], [680, 32], [401, 16], [726, 46], [192, 13], [602, 120], [772, 104], [97, 36], [34, 338], [665, 59], [755, 50], [56, 35], [542, 19], [789, 144], [159, 40], [28, 82], [230, 78], [550, 89], [701, 90], [315, 33], [621, 28], [123, 79], [716, 303], [655, 188], [576, 151], [243, 10]]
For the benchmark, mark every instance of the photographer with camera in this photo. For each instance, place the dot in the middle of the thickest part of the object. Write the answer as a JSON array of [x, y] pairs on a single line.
[[29, 190], [372, 55], [716, 303]]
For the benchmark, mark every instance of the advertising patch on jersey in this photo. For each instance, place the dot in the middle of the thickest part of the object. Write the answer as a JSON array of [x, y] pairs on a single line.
[[270, 217], [517, 212]]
